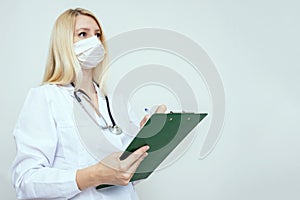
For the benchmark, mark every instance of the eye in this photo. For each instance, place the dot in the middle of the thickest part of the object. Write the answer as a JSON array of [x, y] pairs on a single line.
[[98, 35], [82, 34]]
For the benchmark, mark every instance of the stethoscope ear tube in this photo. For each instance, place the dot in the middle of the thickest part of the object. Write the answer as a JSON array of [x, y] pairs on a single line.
[[77, 97]]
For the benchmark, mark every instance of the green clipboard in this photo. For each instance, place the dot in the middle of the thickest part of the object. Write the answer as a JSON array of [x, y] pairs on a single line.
[[162, 132]]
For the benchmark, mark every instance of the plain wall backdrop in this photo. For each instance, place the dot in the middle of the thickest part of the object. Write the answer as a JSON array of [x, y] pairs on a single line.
[[255, 46]]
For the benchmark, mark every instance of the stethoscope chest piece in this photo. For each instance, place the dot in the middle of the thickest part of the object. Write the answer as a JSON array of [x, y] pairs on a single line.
[[115, 129]]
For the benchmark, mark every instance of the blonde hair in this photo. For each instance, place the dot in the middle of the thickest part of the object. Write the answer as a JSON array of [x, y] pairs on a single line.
[[62, 64]]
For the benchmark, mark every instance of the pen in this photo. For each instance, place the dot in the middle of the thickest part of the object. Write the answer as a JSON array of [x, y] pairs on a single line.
[[147, 111], [152, 110]]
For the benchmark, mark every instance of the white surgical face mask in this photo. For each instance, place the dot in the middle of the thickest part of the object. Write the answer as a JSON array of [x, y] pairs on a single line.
[[90, 52]]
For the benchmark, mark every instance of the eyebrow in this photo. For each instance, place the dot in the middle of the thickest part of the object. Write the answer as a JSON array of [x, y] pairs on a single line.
[[86, 29]]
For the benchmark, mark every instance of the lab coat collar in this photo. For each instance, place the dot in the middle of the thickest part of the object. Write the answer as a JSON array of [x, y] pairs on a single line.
[[70, 88], [67, 87]]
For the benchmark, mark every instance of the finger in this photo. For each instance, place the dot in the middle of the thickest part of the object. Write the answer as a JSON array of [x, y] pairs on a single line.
[[161, 109], [144, 120], [135, 165], [132, 158]]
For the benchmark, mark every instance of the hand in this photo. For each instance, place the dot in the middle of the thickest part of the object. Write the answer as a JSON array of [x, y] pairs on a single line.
[[119, 172], [160, 109], [111, 170]]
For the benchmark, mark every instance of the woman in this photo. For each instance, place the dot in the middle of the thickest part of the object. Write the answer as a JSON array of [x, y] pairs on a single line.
[[51, 162]]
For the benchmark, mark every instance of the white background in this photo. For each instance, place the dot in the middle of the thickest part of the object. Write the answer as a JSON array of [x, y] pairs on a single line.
[[255, 46]]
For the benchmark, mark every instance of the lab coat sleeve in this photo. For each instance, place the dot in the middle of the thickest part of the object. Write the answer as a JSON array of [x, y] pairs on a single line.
[[36, 140]]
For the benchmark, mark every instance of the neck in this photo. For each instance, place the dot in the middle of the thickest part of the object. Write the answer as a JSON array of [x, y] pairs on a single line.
[[86, 81]]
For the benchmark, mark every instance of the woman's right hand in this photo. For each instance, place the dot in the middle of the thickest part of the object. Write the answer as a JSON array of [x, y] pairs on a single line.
[[111, 170], [159, 109]]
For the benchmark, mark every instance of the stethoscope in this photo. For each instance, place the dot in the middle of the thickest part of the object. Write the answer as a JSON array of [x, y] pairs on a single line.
[[114, 128]]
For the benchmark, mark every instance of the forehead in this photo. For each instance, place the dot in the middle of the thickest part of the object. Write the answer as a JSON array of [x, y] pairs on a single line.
[[84, 21]]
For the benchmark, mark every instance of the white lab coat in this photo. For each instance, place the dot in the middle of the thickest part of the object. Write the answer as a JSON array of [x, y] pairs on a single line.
[[49, 150]]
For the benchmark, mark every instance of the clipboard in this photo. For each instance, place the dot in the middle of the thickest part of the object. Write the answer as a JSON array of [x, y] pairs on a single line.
[[162, 132]]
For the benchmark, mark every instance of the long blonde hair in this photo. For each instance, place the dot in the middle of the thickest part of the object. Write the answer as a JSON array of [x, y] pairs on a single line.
[[62, 64]]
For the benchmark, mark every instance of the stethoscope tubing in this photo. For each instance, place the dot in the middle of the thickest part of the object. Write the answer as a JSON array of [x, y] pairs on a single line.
[[115, 129]]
